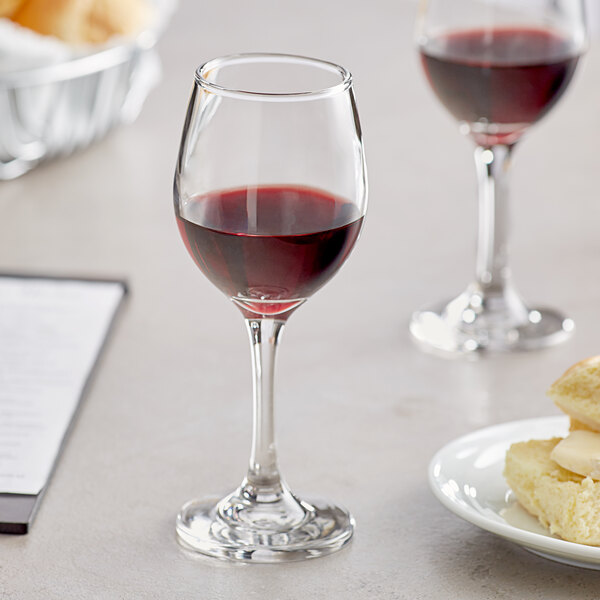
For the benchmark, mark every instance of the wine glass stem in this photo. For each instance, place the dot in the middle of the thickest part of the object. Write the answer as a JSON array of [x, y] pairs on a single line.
[[264, 337], [493, 166]]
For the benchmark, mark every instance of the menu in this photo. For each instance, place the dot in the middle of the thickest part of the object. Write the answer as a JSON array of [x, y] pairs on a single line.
[[51, 333]]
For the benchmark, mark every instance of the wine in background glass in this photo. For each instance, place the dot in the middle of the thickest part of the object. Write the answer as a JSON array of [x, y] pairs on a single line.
[[498, 66], [270, 195]]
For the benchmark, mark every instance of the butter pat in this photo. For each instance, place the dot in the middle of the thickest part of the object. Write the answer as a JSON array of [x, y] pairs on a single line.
[[579, 453]]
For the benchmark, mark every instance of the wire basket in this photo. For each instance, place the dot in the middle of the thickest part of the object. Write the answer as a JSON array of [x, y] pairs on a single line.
[[56, 109]]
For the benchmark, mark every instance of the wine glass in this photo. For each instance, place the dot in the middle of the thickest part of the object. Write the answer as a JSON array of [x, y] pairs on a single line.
[[498, 66], [270, 194]]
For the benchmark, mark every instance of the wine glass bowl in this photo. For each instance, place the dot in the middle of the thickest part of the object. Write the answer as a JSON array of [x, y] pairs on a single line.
[[310, 233], [270, 195], [498, 66]]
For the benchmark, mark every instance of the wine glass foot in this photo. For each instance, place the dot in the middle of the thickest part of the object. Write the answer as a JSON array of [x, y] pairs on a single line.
[[239, 528], [465, 326]]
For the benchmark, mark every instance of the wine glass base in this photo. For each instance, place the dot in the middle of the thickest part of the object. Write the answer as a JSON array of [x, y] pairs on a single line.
[[455, 329], [214, 528]]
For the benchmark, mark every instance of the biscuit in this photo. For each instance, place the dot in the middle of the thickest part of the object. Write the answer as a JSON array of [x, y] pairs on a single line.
[[577, 393], [564, 502]]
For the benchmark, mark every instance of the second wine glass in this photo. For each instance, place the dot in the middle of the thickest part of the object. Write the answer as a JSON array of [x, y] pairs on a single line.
[[498, 66]]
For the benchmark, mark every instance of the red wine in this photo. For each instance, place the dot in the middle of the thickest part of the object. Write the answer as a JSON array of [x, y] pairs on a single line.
[[502, 80], [269, 248]]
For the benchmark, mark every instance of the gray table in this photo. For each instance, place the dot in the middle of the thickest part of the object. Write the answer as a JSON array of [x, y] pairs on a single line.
[[360, 409]]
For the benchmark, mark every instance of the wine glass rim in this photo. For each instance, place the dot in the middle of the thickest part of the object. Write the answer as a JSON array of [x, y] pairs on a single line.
[[263, 57]]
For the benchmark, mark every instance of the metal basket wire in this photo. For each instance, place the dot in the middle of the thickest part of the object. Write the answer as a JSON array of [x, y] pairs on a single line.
[[54, 110]]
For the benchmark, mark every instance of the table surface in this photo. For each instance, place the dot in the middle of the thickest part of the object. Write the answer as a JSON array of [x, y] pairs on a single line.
[[360, 410]]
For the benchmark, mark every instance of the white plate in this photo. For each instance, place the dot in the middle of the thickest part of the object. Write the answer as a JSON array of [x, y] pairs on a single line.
[[466, 477]]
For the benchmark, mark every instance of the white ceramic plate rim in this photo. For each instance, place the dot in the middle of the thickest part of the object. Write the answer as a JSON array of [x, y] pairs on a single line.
[[440, 470]]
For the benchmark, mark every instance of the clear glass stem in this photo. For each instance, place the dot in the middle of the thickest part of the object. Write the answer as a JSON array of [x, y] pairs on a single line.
[[493, 168], [262, 520], [264, 337], [490, 315]]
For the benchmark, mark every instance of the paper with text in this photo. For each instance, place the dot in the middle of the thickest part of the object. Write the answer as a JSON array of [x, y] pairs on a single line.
[[51, 331]]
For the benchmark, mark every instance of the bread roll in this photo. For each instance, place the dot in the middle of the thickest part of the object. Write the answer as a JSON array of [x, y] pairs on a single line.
[[83, 21], [9, 7]]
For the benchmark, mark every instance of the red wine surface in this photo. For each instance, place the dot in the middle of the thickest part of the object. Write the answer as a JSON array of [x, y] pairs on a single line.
[[269, 247], [504, 77]]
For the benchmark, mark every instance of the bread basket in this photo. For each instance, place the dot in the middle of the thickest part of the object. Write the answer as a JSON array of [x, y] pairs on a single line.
[[53, 110]]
